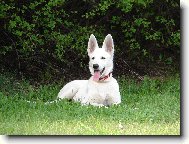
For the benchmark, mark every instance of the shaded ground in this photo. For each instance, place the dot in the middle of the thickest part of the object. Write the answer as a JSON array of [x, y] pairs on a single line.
[[46, 69]]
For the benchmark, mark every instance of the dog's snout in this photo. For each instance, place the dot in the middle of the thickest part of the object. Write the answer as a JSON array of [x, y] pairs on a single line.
[[95, 66]]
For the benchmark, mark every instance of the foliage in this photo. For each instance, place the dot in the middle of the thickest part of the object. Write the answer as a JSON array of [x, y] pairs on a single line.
[[144, 31]]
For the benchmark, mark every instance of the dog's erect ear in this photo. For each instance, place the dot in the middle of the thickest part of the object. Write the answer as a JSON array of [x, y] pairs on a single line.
[[108, 44], [92, 44]]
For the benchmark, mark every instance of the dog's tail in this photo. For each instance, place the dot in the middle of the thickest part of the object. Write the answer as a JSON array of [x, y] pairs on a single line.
[[54, 101], [34, 102], [48, 102]]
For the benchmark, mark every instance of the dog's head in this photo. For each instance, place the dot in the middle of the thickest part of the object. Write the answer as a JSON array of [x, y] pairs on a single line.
[[101, 59]]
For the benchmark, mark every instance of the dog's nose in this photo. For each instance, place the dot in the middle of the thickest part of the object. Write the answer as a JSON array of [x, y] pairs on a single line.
[[95, 66]]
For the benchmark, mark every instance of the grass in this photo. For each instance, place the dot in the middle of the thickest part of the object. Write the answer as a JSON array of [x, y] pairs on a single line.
[[151, 107]]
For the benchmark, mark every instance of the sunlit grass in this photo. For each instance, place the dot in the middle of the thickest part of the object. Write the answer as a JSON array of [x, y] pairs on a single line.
[[151, 107]]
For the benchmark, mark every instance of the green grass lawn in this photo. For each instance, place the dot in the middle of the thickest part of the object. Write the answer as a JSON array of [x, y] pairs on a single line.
[[151, 107]]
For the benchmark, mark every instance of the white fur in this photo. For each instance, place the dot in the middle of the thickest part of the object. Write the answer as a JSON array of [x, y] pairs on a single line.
[[97, 93]]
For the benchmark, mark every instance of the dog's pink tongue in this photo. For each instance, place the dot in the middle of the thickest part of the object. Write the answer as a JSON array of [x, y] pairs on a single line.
[[96, 75]]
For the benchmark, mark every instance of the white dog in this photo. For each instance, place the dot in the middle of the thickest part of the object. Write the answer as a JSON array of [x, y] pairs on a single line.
[[101, 89]]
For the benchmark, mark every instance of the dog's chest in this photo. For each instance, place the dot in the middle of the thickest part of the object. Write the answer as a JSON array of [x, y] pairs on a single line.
[[99, 92]]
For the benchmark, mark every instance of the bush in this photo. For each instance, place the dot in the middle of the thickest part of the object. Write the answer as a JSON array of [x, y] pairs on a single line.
[[39, 35]]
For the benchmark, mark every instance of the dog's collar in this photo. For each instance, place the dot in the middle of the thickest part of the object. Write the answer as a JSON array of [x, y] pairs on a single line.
[[105, 77]]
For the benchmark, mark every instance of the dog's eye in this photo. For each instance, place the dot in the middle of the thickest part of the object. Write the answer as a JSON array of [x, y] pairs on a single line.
[[103, 58], [93, 58]]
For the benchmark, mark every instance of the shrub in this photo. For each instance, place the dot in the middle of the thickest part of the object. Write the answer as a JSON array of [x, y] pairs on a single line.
[[38, 33]]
